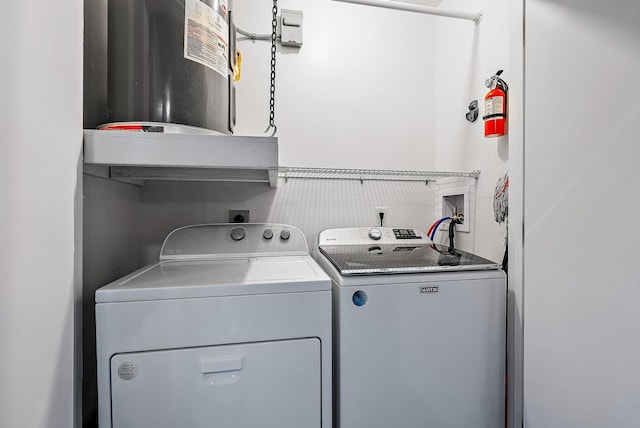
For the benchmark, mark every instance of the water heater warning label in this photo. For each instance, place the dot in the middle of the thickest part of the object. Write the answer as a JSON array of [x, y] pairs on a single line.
[[206, 37]]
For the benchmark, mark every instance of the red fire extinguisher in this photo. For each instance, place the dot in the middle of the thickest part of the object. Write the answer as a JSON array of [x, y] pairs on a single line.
[[495, 106]]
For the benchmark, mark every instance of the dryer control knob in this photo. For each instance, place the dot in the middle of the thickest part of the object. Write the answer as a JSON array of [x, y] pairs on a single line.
[[375, 234], [238, 233], [285, 234], [267, 234]]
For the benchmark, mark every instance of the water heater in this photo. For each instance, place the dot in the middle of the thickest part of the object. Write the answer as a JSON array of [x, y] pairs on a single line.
[[170, 62]]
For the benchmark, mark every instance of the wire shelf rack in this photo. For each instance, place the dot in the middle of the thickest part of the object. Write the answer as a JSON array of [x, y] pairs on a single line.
[[370, 174]]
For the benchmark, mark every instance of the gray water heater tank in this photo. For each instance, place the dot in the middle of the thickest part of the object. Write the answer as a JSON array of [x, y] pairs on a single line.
[[170, 61]]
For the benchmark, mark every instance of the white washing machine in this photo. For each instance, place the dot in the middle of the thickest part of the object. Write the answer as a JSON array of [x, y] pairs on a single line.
[[419, 331], [230, 328]]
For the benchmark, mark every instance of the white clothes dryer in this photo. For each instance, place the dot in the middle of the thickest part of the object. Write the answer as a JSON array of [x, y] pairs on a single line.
[[419, 331], [230, 328]]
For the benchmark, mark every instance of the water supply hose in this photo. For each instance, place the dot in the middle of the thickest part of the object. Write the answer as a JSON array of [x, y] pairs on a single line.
[[434, 227]]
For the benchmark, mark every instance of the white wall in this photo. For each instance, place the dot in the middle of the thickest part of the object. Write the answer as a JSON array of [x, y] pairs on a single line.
[[311, 205], [582, 151], [466, 55], [41, 122], [111, 249], [372, 88], [358, 94]]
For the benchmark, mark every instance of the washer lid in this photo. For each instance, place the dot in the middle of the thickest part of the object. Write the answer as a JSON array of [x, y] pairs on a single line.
[[386, 250], [392, 259], [182, 279]]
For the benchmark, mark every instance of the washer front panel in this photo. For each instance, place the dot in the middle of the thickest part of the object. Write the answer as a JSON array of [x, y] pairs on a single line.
[[428, 353]]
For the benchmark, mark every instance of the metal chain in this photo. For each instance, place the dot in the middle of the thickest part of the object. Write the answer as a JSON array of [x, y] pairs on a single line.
[[272, 87]]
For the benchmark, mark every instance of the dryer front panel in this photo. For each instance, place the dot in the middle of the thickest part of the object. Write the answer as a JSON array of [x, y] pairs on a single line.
[[268, 384]]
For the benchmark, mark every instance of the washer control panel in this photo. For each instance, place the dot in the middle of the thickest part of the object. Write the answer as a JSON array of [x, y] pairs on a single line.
[[232, 239], [381, 235], [406, 234]]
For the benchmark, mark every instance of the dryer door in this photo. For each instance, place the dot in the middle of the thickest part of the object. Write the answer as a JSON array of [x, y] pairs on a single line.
[[268, 384]]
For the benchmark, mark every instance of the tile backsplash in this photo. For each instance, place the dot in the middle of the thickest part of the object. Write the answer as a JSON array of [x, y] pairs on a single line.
[[309, 204]]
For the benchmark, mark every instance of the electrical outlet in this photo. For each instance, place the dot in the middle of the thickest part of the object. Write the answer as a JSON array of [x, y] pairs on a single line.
[[238, 216], [381, 216]]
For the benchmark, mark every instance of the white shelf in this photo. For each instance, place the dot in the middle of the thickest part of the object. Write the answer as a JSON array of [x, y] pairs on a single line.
[[371, 174], [144, 156]]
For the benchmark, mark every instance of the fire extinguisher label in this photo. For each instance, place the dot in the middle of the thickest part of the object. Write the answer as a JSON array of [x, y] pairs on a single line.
[[206, 36], [494, 107]]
